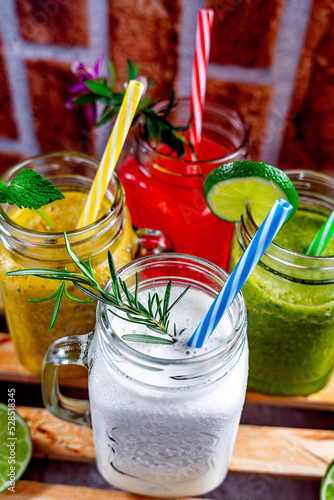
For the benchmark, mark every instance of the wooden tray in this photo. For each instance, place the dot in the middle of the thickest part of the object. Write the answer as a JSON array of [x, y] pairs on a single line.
[[293, 453], [284, 452], [28, 490]]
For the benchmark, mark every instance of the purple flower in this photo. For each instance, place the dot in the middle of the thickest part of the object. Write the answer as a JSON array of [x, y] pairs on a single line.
[[84, 73]]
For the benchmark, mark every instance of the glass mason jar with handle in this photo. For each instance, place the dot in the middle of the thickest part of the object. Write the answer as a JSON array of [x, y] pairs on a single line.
[[290, 297], [164, 425], [26, 243], [170, 188]]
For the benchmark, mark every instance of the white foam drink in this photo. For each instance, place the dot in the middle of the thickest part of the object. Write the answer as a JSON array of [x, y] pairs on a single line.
[[165, 417]]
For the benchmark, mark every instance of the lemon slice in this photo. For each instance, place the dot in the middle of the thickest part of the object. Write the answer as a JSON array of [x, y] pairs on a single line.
[[327, 484], [15, 447], [230, 187]]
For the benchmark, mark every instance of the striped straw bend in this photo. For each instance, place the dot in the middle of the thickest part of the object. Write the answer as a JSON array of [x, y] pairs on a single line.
[[199, 74], [112, 152], [255, 250]]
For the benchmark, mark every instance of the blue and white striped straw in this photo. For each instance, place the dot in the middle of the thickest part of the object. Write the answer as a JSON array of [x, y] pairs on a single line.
[[255, 250]]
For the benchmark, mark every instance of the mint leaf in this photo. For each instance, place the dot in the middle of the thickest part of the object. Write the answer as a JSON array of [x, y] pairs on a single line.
[[29, 190]]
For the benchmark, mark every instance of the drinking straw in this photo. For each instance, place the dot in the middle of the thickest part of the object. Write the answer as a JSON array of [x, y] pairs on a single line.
[[255, 250], [322, 238], [112, 152], [199, 74]]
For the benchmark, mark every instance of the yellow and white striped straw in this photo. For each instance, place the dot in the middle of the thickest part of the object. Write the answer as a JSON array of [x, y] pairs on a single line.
[[112, 152]]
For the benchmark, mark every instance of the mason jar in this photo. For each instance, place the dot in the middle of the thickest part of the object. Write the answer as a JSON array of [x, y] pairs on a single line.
[[165, 192], [25, 245], [290, 297], [162, 426]]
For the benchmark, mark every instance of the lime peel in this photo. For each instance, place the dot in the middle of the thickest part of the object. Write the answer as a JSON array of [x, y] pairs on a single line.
[[15, 447], [327, 484], [230, 187]]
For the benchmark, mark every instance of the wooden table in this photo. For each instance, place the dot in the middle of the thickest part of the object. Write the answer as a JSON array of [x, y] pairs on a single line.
[[284, 452]]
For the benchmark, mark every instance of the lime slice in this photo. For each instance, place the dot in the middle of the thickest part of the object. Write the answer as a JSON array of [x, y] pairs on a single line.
[[230, 187], [15, 447], [327, 484]]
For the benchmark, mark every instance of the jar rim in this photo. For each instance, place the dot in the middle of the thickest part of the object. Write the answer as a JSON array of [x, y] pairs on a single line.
[[212, 107], [129, 352], [75, 233], [277, 255]]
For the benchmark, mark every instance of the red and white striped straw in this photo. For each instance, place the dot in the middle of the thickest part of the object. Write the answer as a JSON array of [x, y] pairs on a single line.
[[199, 75]]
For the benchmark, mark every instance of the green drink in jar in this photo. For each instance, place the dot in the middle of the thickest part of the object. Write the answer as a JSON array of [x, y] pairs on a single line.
[[290, 295]]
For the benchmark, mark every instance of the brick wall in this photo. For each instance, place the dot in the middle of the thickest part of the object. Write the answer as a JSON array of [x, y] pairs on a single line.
[[270, 59]]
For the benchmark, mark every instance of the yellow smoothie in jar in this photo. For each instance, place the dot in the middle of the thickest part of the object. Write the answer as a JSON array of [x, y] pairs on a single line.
[[28, 322]]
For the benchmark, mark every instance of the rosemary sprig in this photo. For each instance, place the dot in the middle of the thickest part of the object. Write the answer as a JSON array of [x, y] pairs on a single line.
[[94, 88], [155, 315]]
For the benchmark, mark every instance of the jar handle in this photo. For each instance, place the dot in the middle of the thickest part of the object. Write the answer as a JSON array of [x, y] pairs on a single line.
[[152, 241], [65, 351]]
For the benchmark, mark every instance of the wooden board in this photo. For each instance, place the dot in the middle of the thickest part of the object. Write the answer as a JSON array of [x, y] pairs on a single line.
[[12, 371], [28, 490], [276, 451], [321, 401]]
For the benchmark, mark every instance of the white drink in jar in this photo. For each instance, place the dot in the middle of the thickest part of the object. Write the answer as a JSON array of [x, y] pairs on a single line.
[[164, 417], [157, 433]]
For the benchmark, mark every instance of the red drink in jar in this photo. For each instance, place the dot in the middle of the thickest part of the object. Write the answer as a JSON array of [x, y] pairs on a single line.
[[165, 192]]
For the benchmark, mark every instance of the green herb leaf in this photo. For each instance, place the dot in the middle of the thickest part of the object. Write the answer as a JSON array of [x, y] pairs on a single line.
[[57, 305], [154, 317], [49, 297], [113, 273], [167, 296], [155, 125], [106, 118], [81, 265], [178, 299], [132, 71], [112, 75], [75, 299], [98, 88], [29, 190], [146, 339], [86, 99], [94, 296]]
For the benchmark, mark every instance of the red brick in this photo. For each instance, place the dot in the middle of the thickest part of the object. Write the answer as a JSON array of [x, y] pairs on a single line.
[[308, 141], [63, 22], [8, 160], [7, 121], [57, 128], [146, 32], [251, 101], [245, 31]]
